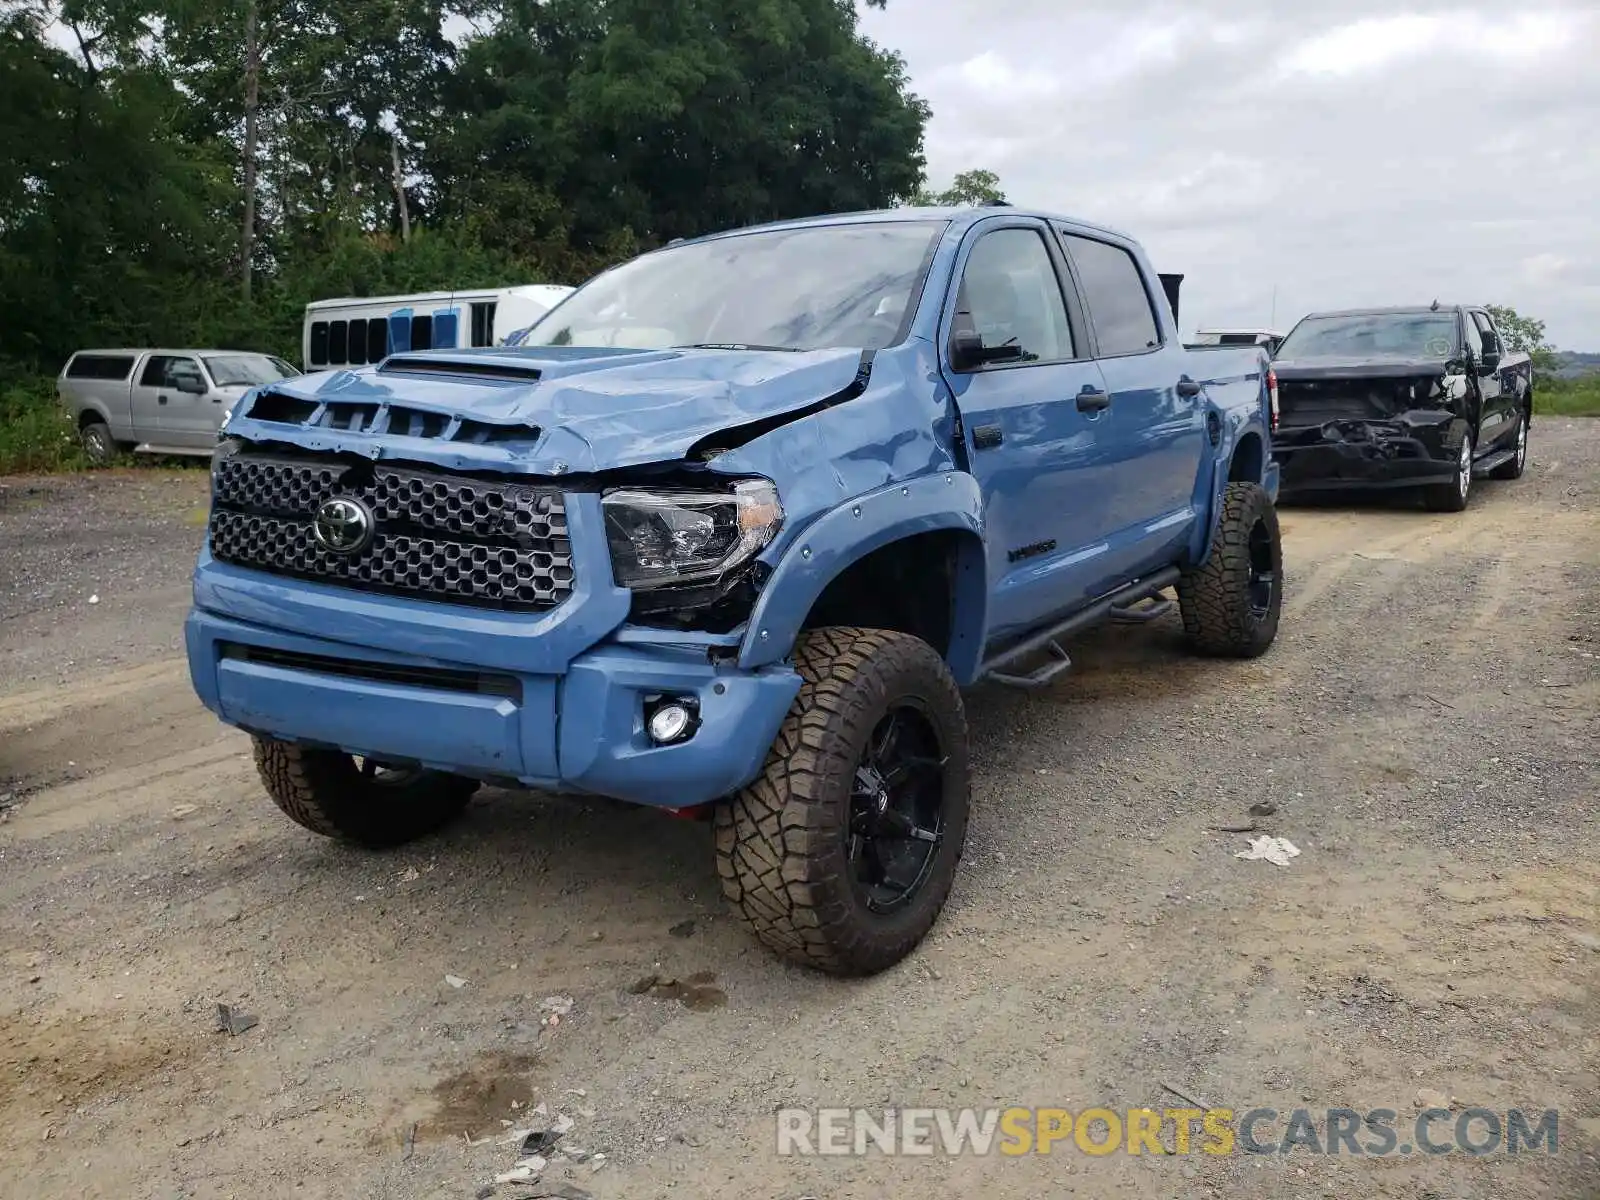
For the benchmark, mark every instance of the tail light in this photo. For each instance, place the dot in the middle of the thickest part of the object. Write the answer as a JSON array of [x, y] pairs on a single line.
[[1272, 398]]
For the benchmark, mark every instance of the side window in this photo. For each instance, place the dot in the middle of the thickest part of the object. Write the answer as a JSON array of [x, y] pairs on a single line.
[[155, 371], [1486, 329], [422, 333], [1010, 294], [358, 343], [1114, 293], [483, 324], [377, 339], [338, 342], [1474, 342], [319, 344], [185, 369], [99, 366]]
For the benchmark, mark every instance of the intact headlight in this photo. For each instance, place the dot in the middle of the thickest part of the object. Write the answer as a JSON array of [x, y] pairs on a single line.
[[664, 537]]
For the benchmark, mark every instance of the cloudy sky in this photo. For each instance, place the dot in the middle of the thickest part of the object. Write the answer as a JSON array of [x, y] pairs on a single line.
[[1344, 154]]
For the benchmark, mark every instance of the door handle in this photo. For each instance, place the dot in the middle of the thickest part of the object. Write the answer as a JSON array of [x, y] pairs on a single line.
[[1091, 400], [1188, 389], [161, 399]]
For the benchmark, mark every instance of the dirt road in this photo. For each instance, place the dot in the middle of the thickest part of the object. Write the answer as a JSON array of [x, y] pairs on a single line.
[[1426, 726]]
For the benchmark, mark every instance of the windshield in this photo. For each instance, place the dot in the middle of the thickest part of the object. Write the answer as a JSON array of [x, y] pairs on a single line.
[[1374, 335], [786, 289], [230, 369]]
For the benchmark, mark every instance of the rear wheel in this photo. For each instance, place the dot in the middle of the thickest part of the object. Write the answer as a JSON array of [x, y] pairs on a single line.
[[1453, 496], [841, 854], [99, 447], [1232, 601], [1514, 467], [358, 800]]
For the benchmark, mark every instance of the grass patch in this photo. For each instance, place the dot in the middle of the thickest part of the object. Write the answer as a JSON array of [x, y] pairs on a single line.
[[35, 434], [1567, 397]]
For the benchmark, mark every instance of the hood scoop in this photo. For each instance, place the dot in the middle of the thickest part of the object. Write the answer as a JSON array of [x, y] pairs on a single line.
[[395, 420], [491, 369]]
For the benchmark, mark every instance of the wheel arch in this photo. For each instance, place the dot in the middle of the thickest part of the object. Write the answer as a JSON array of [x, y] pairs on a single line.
[[842, 568]]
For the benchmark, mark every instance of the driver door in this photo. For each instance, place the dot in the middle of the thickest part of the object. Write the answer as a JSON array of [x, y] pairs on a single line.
[[1498, 419], [190, 414], [1036, 424]]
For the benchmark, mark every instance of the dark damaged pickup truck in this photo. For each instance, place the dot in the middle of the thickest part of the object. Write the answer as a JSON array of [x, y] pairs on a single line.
[[1401, 398]]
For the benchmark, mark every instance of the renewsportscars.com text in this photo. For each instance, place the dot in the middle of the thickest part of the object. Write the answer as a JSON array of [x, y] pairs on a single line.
[[1377, 1132]]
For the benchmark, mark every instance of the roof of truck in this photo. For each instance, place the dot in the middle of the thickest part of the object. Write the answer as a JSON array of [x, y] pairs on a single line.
[[960, 217], [1393, 310], [166, 350]]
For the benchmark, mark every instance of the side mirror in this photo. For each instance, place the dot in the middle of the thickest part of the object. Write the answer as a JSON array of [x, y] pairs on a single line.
[[191, 385], [968, 351]]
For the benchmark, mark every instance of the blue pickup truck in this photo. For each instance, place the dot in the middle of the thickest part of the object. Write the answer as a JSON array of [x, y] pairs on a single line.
[[728, 535]]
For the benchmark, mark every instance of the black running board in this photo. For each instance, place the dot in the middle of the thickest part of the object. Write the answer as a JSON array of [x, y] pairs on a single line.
[[1492, 462], [1119, 605]]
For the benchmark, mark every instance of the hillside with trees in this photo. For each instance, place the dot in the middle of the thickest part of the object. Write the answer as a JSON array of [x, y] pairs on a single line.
[[179, 172]]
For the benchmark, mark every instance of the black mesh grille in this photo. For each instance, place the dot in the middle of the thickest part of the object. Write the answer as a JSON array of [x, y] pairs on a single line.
[[469, 541]]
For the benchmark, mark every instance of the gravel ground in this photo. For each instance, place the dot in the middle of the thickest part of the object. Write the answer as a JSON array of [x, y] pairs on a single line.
[[1425, 726]]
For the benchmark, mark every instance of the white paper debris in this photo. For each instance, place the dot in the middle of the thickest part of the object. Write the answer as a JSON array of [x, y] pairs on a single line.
[[1275, 850], [455, 981]]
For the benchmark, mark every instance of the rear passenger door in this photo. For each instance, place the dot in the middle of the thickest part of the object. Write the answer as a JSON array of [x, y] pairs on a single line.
[[1032, 426], [1161, 441]]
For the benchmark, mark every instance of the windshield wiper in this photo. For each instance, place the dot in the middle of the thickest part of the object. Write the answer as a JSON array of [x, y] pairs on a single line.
[[733, 346]]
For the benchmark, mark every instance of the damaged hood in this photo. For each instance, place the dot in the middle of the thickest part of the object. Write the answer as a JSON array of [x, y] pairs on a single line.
[[1363, 368], [547, 410]]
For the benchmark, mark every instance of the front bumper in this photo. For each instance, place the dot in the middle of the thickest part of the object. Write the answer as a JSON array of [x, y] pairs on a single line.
[[555, 702], [1408, 451]]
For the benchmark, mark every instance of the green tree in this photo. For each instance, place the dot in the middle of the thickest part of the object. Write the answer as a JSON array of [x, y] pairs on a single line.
[[967, 189], [1526, 335], [653, 119], [195, 171]]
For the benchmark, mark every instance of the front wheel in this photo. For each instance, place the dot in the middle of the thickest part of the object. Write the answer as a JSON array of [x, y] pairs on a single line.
[[842, 852], [1231, 602], [358, 800], [1453, 496]]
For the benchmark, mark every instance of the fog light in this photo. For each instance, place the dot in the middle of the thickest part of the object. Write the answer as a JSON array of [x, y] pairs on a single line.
[[670, 723]]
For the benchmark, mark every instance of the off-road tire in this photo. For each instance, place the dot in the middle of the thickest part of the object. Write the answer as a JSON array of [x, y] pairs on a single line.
[[1219, 615], [325, 791], [1450, 497], [1518, 462], [781, 843], [99, 447]]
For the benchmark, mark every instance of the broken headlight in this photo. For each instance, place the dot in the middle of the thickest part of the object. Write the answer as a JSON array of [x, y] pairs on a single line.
[[667, 537]]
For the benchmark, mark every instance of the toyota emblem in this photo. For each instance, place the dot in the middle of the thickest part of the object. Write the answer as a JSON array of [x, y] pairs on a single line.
[[342, 525]]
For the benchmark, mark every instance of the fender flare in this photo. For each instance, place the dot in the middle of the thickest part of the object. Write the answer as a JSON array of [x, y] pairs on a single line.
[[1236, 427], [820, 553]]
